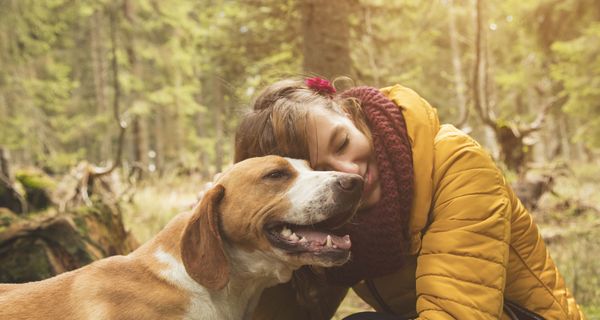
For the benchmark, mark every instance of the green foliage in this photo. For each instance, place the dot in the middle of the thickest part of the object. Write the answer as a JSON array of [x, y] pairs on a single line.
[[6, 218], [38, 186], [592, 312], [30, 264], [180, 63], [578, 67], [34, 179], [411, 50], [57, 85], [579, 271]]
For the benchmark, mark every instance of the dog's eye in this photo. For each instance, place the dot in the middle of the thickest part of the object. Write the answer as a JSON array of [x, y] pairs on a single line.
[[276, 174]]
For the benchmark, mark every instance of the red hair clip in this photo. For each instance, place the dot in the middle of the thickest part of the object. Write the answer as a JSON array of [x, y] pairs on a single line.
[[320, 85]]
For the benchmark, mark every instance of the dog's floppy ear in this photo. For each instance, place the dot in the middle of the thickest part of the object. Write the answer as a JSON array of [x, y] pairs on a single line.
[[202, 246]]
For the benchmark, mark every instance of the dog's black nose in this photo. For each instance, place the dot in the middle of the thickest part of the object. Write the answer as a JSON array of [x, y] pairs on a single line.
[[350, 183]]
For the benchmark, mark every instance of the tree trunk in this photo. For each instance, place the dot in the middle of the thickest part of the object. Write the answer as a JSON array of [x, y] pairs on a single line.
[[326, 33], [114, 25], [158, 139], [478, 87], [459, 82], [479, 76], [178, 118], [9, 197], [202, 133], [218, 105], [4, 165], [139, 139], [565, 141], [35, 249], [99, 70], [69, 235], [139, 144], [510, 140], [514, 151], [369, 47]]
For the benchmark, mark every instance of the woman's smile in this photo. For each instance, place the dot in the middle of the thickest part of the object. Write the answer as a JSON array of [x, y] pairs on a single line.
[[336, 144]]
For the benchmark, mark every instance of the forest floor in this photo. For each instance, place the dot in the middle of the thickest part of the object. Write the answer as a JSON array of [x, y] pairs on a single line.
[[569, 221]]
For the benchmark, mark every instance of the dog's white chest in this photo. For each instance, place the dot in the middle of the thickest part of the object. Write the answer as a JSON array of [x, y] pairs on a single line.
[[203, 305]]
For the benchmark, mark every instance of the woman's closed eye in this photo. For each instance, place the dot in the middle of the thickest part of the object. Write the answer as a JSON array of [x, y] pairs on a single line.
[[343, 144]]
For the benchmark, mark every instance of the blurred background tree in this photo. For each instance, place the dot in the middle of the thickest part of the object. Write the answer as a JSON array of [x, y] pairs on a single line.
[[522, 77], [186, 67]]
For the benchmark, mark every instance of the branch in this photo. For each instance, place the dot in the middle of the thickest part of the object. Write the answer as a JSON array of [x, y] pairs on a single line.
[[479, 107], [26, 227], [459, 83], [539, 120]]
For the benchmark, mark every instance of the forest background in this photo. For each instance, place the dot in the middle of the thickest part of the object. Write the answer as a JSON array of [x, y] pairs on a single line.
[[152, 91]]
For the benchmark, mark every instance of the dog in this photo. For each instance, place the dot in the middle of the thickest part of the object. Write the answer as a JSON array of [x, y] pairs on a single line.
[[264, 218]]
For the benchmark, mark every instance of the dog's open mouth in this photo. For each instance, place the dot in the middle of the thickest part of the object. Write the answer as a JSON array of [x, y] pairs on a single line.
[[318, 240]]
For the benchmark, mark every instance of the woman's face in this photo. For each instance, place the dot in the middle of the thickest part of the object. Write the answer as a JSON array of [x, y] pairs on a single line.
[[335, 143]]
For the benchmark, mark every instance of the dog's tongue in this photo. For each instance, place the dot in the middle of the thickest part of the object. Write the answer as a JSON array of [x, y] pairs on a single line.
[[320, 239]]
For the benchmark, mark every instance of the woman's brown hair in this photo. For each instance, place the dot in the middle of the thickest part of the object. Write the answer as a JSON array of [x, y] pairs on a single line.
[[278, 121]]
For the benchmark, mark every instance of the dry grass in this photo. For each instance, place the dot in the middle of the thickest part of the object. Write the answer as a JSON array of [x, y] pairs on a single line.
[[156, 202], [351, 304]]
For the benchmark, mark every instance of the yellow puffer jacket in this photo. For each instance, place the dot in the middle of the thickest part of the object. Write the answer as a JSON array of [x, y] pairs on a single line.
[[473, 243]]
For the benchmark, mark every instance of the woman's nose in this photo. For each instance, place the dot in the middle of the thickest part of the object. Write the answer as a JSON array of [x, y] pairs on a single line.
[[345, 166]]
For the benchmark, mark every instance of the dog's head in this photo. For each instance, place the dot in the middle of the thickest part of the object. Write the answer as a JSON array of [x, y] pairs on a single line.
[[278, 206]]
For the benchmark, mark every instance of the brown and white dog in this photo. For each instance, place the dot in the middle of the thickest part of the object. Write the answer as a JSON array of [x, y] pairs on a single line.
[[264, 218]]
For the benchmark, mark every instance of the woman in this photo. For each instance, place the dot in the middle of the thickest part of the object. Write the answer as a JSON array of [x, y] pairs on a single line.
[[439, 233]]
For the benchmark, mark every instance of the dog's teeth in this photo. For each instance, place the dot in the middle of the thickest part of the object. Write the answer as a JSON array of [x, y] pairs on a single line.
[[302, 240], [294, 237], [329, 242], [286, 232], [334, 246]]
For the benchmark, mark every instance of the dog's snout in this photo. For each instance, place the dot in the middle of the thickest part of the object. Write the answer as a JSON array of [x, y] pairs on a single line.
[[350, 183]]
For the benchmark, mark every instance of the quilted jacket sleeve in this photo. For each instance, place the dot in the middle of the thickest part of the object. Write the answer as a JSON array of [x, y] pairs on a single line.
[[461, 268]]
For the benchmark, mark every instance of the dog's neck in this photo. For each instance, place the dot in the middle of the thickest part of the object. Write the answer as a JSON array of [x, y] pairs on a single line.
[[250, 274]]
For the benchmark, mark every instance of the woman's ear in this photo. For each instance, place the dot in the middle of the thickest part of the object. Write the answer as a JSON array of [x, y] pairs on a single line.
[[202, 250]]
